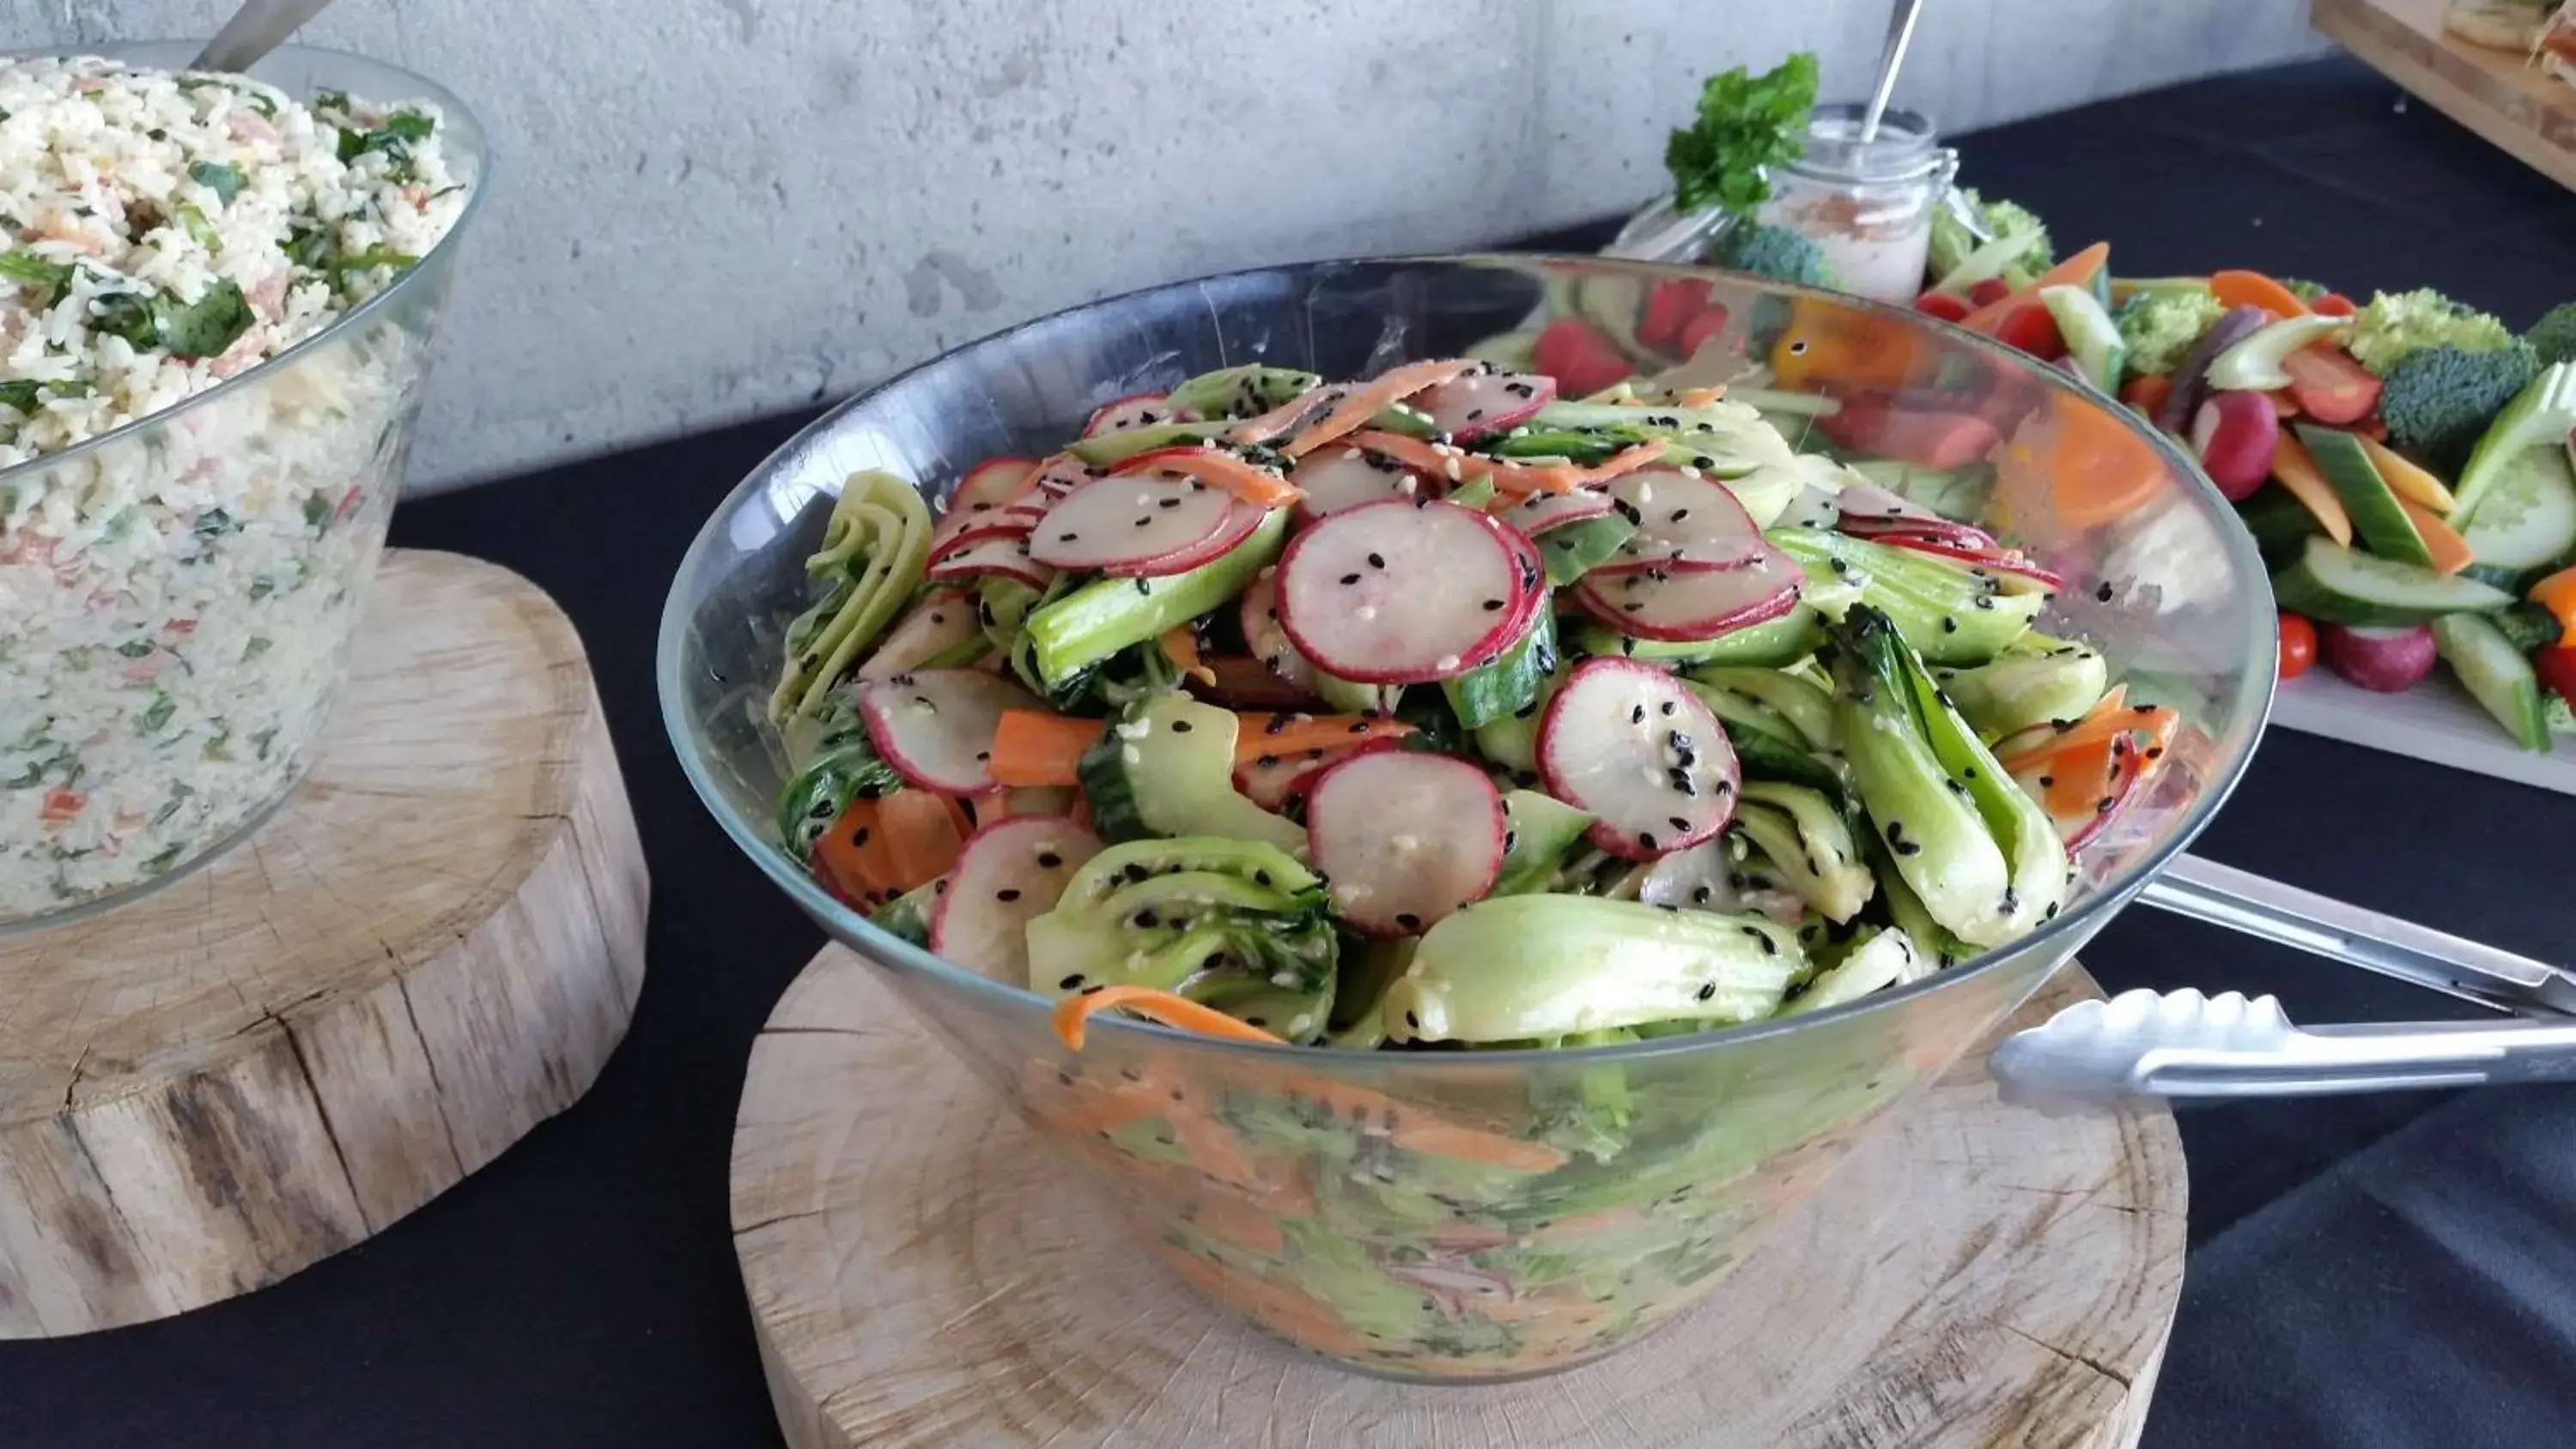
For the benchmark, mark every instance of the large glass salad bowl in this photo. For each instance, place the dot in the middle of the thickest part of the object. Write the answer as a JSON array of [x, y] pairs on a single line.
[[1457, 1214]]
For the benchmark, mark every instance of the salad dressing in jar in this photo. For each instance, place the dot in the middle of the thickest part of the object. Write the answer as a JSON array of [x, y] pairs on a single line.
[[1868, 205]]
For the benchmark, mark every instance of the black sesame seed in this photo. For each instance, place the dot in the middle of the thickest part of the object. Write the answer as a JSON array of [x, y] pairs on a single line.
[[1408, 920], [1007, 893], [1413, 1021], [2103, 805], [1049, 860], [1700, 895], [1068, 984], [1707, 990], [1949, 625], [1669, 708], [1267, 762], [1493, 606], [2155, 752], [1637, 716], [859, 840], [1066, 537], [1254, 1021], [1377, 560], [1678, 823], [2047, 780], [1350, 578], [1646, 838], [1261, 877], [2105, 593]]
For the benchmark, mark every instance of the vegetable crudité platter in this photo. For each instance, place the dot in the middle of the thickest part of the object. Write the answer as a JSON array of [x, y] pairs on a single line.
[[2405, 462]]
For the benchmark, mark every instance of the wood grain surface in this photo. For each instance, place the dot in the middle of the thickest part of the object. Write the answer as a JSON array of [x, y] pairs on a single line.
[[921, 1273], [2496, 93], [432, 947]]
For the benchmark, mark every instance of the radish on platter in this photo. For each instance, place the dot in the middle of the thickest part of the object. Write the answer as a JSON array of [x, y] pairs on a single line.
[[2388, 661]]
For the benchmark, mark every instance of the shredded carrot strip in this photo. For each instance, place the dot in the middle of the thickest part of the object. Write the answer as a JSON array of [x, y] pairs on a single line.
[[1700, 397], [1181, 646], [1280, 419], [1032, 747], [1074, 1013], [1440, 1139], [1391, 386], [1217, 467], [1281, 735], [2111, 719]]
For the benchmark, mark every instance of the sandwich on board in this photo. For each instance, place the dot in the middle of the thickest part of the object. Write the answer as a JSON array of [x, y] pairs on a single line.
[[2500, 24]]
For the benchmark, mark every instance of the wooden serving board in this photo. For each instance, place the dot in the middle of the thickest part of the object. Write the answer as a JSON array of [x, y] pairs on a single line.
[[2495, 93], [433, 946], [921, 1272], [2436, 721]]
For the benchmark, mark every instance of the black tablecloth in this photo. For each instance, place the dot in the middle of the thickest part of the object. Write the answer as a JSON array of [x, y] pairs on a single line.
[[2384, 1271]]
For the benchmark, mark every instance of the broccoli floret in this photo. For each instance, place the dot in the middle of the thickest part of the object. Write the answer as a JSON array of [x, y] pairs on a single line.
[[2303, 289], [2396, 325], [1775, 252], [2160, 327], [2554, 336], [1952, 242], [2438, 401]]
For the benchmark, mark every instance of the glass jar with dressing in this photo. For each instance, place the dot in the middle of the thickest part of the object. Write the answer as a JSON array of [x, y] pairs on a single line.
[[1867, 204]]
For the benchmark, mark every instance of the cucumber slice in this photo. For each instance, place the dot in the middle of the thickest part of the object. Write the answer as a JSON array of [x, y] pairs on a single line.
[[2496, 674], [1537, 832], [2334, 584], [1166, 768], [2376, 516], [1510, 683], [2540, 416], [2254, 365], [2527, 520], [2092, 338]]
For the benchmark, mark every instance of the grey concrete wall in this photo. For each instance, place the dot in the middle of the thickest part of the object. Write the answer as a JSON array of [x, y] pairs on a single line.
[[711, 209]]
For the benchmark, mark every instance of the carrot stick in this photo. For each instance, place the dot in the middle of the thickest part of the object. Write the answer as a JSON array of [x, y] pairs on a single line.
[[2253, 289], [1032, 747], [1281, 735], [1074, 1013], [2450, 552]]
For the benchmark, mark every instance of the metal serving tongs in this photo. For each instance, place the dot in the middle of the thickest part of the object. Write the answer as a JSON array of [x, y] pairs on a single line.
[[2185, 1044]]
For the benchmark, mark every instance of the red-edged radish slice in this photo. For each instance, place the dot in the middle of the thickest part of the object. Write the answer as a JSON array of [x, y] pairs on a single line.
[[1484, 402], [992, 483], [958, 530], [2010, 572], [1271, 781], [1010, 872], [1138, 410], [1634, 746], [1870, 511], [1113, 522], [1399, 593], [935, 726], [1345, 477], [1007, 555], [942, 621], [1692, 604], [1060, 474], [1269, 642], [1404, 838], [2234, 434], [1238, 526], [1681, 521], [1539, 512]]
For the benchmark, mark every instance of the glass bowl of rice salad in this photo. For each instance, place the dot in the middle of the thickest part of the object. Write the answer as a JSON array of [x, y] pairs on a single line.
[[218, 295], [1459, 789]]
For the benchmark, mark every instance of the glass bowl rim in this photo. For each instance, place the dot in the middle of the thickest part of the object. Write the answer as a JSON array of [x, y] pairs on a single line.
[[882, 947], [447, 101]]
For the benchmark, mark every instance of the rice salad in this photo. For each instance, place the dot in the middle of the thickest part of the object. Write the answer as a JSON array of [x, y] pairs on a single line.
[[176, 603]]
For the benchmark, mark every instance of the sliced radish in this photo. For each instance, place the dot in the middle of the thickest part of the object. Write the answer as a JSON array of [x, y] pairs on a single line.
[[958, 530], [1337, 478], [2010, 572], [1634, 746], [1693, 604], [2234, 434], [935, 726], [1540, 512], [1240, 521], [992, 483], [1007, 555], [1011, 871], [1681, 521], [1111, 522], [1485, 402], [1061, 474], [1271, 781], [1404, 838], [1871, 511], [942, 621], [1268, 641], [1139, 410], [1400, 593]]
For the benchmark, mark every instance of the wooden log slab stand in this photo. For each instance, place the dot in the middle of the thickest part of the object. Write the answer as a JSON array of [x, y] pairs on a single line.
[[432, 947]]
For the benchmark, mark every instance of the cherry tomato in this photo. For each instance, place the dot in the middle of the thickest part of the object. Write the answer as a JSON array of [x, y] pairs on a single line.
[[2298, 644], [1948, 306]]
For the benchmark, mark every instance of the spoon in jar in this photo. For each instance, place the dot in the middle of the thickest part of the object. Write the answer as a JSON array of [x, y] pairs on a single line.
[[1900, 34], [257, 28]]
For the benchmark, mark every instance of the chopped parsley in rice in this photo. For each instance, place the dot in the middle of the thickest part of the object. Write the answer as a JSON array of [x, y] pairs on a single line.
[[176, 605]]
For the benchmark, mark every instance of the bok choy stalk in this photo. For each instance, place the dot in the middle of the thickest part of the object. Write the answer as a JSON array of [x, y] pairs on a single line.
[[1982, 856]]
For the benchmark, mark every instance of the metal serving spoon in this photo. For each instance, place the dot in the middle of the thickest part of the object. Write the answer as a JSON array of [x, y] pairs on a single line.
[[257, 28]]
